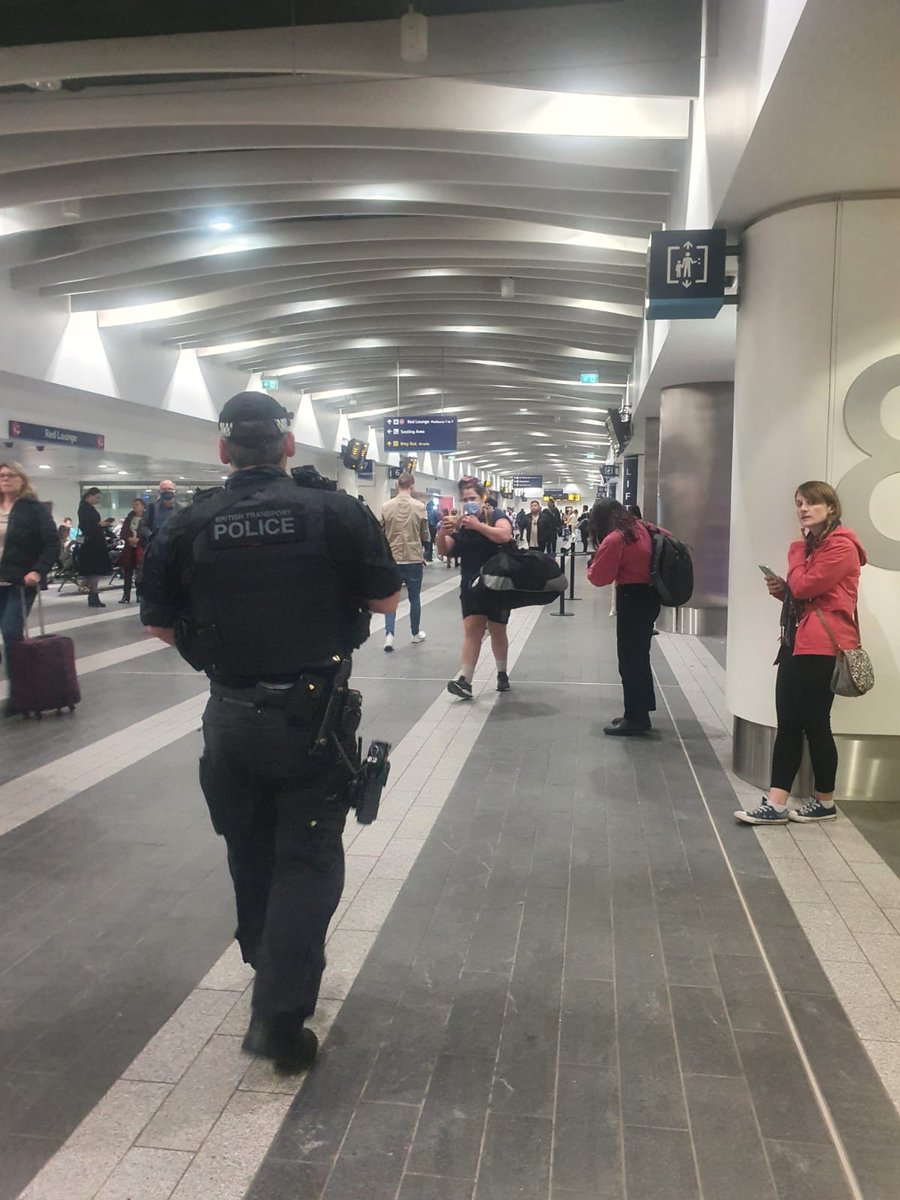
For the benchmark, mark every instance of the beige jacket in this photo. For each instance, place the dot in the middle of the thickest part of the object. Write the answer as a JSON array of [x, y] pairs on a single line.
[[405, 525]]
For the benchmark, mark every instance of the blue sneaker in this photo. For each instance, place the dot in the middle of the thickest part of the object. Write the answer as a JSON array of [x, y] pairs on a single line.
[[764, 815], [813, 811]]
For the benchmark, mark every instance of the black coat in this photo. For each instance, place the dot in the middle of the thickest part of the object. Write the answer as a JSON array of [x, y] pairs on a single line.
[[556, 517], [546, 527], [31, 541], [93, 558]]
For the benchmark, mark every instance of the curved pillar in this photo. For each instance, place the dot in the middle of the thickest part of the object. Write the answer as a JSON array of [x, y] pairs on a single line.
[[695, 434], [817, 396]]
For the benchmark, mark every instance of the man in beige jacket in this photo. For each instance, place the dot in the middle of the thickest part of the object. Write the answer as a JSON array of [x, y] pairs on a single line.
[[405, 524]]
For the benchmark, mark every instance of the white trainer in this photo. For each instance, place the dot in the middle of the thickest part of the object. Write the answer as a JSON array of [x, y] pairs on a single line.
[[419, 637], [388, 643]]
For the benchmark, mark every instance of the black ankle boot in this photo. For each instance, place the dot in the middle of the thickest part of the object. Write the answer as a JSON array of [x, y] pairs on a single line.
[[94, 601]]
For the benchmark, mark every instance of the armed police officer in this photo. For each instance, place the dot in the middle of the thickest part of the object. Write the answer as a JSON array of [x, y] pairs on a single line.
[[264, 585]]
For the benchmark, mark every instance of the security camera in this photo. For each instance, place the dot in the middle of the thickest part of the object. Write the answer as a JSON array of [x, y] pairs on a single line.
[[40, 449]]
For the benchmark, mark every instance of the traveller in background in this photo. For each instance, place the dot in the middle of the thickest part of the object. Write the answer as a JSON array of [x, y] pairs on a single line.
[[521, 522], [29, 546], [132, 551], [159, 511], [431, 511], [634, 510], [623, 558], [64, 532], [474, 538], [538, 528], [556, 525], [93, 559], [584, 528], [452, 558], [818, 612], [405, 524]]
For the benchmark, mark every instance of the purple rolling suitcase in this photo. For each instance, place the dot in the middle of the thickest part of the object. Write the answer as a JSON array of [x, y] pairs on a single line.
[[43, 671]]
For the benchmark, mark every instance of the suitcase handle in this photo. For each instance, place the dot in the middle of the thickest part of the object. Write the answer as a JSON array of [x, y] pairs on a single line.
[[25, 613]]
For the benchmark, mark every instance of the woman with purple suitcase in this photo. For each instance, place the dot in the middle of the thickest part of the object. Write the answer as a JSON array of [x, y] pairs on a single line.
[[29, 546]]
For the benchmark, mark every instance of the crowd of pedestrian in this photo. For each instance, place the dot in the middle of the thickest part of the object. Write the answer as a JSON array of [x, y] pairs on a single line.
[[268, 584]]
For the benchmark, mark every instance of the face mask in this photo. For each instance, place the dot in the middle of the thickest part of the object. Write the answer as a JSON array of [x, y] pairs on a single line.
[[472, 508]]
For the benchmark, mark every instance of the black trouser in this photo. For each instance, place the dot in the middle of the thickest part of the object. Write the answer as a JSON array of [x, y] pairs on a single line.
[[282, 814], [803, 700], [637, 607], [15, 605], [128, 574]]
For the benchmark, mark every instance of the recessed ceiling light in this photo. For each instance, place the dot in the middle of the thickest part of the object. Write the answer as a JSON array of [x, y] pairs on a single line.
[[44, 467], [122, 472], [221, 225]]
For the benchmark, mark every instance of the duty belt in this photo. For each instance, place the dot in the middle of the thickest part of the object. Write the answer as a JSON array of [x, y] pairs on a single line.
[[303, 700]]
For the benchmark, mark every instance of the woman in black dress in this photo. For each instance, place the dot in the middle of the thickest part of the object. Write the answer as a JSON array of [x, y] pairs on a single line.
[[93, 558]]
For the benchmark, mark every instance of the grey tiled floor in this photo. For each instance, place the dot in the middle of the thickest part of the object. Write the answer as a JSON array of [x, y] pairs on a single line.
[[567, 1000], [115, 904]]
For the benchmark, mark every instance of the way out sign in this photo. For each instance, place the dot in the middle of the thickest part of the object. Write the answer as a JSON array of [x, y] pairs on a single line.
[[685, 274]]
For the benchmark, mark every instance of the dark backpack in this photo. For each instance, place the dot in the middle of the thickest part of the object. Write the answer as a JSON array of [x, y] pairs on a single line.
[[671, 568], [521, 578]]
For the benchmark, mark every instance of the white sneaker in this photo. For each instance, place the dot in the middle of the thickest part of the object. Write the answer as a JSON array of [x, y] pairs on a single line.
[[388, 643], [419, 637]]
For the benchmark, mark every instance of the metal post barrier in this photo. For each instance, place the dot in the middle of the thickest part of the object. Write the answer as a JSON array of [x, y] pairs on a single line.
[[562, 595], [572, 596]]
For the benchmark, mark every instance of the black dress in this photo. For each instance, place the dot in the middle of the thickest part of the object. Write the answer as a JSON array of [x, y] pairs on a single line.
[[93, 558]]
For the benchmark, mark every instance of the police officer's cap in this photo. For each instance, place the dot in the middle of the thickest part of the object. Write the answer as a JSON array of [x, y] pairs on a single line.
[[252, 418]]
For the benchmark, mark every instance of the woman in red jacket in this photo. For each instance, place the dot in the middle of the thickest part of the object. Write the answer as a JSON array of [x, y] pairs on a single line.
[[623, 558], [133, 551], [818, 613]]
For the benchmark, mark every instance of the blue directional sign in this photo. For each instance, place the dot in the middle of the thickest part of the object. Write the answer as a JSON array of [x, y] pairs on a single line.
[[437, 434], [25, 431], [685, 273], [630, 479], [527, 481]]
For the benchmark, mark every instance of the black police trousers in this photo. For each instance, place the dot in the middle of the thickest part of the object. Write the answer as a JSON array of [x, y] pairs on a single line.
[[281, 813], [637, 607]]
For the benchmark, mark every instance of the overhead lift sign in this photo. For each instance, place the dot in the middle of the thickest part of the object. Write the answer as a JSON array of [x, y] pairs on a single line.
[[685, 273], [56, 437], [437, 434]]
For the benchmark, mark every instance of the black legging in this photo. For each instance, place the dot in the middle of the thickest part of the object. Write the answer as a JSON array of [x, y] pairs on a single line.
[[637, 607], [803, 700]]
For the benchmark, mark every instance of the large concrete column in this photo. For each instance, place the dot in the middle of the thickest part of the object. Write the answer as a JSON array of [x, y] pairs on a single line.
[[817, 396], [648, 479], [695, 433]]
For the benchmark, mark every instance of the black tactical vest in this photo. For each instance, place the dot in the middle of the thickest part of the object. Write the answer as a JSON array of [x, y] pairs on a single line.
[[265, 598]]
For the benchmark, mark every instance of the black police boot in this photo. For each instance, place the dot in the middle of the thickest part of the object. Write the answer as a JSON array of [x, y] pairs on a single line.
[[284, 1039]]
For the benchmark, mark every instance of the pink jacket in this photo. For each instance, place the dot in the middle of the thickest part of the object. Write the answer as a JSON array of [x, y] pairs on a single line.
[[829, 580]]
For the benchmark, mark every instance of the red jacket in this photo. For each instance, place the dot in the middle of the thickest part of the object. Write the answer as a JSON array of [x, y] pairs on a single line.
[[620, 561], [828, 579], [131, 555]]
